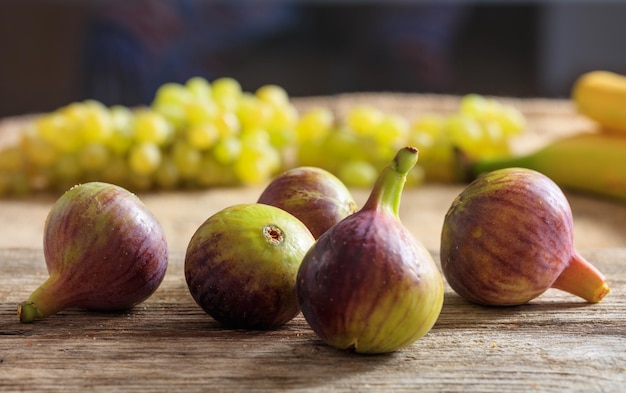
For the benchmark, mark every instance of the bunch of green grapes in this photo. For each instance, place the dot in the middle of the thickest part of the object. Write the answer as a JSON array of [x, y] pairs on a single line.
[[197, 134], [357, 148]]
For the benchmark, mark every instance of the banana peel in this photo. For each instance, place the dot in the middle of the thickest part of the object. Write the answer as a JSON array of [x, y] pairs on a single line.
[[601, 96], [589, 162]]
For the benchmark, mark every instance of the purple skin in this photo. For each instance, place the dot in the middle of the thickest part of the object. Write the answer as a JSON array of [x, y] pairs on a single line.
[[366, 284], [104, 250], [313, 195], [506, 238], [241, 265]]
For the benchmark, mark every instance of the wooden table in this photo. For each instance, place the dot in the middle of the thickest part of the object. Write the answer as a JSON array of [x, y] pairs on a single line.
[[556, 343]]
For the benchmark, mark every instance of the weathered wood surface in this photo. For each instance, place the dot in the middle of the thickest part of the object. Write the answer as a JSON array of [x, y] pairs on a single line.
[[554, 344]]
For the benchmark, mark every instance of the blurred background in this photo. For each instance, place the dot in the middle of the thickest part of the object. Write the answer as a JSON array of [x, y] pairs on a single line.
[[56, 52]]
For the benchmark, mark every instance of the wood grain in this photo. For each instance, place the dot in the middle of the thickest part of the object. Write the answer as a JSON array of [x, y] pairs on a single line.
[[556, 343]]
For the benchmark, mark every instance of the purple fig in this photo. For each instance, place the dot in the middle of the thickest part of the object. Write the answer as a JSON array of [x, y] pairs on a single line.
[[508, 237], [315, 196], [366, 284], [241, 265], [104, 250]]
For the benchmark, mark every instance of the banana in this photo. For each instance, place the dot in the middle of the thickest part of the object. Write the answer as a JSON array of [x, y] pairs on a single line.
[[593, 163], [601, 96]]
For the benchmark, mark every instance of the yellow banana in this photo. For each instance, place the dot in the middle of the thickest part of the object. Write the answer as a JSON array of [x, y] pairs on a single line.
[[601, 96], [594, 163]]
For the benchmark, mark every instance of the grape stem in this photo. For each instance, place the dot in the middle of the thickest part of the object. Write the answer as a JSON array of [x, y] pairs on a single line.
[[387, 191]]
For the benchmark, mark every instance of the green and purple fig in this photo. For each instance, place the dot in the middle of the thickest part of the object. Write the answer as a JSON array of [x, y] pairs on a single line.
[[241, 265], [508, 237], [104, 251], [367, 284], [315, 196]]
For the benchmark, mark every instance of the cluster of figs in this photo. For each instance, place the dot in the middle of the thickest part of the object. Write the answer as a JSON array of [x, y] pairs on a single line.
[[358, 276]]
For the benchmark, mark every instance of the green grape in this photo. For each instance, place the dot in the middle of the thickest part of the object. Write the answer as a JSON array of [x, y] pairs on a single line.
[[97, 125], [211, 173], [254, 136], [314, 124], [19, 184], [313, 154], [200, 112], [496, 142], [37, 151], [282, 124], [122, 136], [226, 92], [416, 176], [202, 136], [253, 113], [357, 174], [199, 88], [5, 184], [59, 131], [474, 105], [176, 115], [511, 120], [171, 101], [273, 94], [116, 171], [167, 175], [172, 94], [227, 150], [93, 157], [144, 158], [11, 160], [256, 164], [151, 127], [187, 159], [67, 170], [74, 113], [431, 124], [466, 133], [363, 119], [392, 130], [138, 182], [227, 124]]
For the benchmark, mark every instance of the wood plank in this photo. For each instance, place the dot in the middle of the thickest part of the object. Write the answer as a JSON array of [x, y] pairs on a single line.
[[556, 343]]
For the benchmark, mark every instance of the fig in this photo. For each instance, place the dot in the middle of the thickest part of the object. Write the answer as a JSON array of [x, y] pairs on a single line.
[[367, 285], [315, 196], [241, 265], [104, 250], [508, 237]]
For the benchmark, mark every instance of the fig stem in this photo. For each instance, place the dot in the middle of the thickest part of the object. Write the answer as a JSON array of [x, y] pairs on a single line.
[[582, 279], [44, 301], [28, 312], [387, 191]]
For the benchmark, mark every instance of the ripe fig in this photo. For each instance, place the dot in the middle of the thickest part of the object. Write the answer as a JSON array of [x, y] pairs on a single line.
[[366, 284], [315, 196], [241, 265], [508, 237], [104, 250]]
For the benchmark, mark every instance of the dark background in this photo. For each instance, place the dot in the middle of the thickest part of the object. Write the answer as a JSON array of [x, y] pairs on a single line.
[[56, 52]]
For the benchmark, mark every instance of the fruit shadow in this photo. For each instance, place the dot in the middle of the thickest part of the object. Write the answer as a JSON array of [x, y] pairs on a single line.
[[304, 359], [547, 309]]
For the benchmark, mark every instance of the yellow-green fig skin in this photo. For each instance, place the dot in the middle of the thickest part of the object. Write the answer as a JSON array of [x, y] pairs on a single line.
[[508, 237], [104, 250], [315, 196], [367, 285], [241, 265]]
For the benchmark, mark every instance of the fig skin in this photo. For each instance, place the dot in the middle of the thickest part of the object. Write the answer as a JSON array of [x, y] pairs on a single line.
[[104, 250], [241, 265], [367, 285], [508, 237], [315, 196]]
